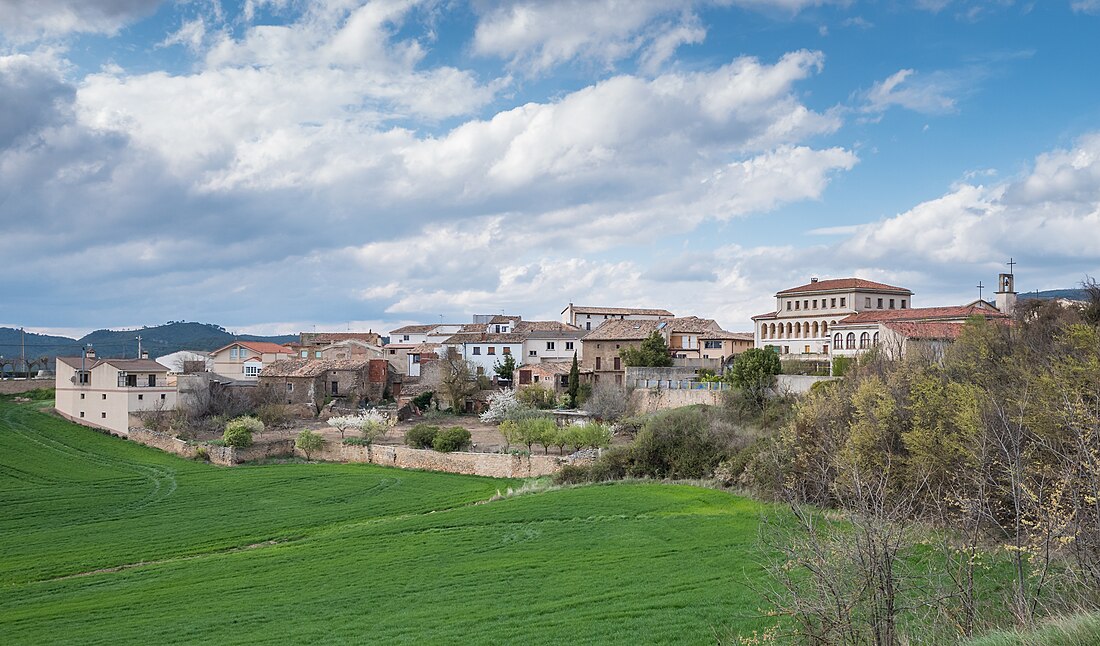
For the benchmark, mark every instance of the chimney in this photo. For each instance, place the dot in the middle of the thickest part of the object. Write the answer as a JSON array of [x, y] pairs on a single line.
[[144, 354], [813, 279], [90, 352]]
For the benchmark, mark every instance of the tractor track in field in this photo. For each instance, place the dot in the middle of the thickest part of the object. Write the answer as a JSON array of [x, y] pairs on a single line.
[[161, 480]]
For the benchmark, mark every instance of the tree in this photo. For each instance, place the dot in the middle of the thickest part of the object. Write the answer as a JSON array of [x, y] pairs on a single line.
[[1091, 312], [574, 382], [458, 381], [343, 423], [309, 442], [238, 432], [754, 373], [653, 351], [501, 404], [608, 402], [506, 369]]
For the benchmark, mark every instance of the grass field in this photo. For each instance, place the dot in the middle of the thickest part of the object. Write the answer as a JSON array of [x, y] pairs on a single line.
[[108, 542]]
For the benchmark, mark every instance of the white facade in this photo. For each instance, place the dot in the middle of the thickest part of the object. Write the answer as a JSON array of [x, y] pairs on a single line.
[[104, 393], [589, 318], [548, 347], [484, 354], [804, 315]]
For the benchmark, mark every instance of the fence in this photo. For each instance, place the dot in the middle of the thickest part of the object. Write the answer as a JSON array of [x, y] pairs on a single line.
[[680, 384]]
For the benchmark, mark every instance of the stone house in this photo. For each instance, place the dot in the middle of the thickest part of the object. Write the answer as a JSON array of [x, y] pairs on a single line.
[[549, 374], [314, 381], [602, 345]]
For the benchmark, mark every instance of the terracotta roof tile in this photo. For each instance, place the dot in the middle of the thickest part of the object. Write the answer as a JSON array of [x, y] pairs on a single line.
[[955, 312], [483, 337], [583, 309], [929, 330], [310, 367], [842, 284], [616, 330], [414, 329]]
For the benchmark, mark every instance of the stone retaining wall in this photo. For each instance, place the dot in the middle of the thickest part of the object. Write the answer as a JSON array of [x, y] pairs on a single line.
[[650, 400]]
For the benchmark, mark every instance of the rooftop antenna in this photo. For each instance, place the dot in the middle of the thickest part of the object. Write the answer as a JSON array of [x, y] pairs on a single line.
[[980, 288]]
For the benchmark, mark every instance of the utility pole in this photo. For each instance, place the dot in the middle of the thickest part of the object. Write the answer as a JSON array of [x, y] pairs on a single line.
[[139, 346]]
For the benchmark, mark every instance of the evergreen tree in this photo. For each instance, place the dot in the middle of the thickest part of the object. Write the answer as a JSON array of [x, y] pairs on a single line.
[[574, 382]]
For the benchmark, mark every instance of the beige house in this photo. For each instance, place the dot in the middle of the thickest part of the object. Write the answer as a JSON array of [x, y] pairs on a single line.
[[722, 345], [243, 360], [684, 337], [105, 393]]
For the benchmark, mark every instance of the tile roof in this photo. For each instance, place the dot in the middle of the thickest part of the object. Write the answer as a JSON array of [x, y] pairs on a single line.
[[929, 330], [501, 318], [843, 284], [414, 329], [483, 337], [954, 312], [617, 329], [548, 330], [548, 368], [769, 315], [257, 346], [310, 367], [584, 309], [313, 338], [722, 334], [137, 365], [425, 348]]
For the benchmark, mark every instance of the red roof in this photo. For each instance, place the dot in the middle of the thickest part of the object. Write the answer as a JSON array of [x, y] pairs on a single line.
[[931, 330], [257, 346], [955, 312], [835, 284], [769, 315]]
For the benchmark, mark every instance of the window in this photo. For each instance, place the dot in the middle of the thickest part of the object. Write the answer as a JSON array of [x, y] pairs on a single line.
[[797, 304], [104, 395], [903, 303], [305, 353], [492, 350], [815, 303], [712, 345], [832, 302], [131, 381], [788, 306], [533, 353], [850, 341], [251, 370], [103, 415], [244, 353], [618, 363], [82, 395], [535, 379], [875, 339], [568, 345], [83, 377], [152, 381], [163, 396], [391, 352], [82, 413], [806, 350], [317, 354], [289, 387], [597, 363], [843, 301], [405, 337], [233, 353], [867, 301], [891, 303], [806, 304], [864, 341], [549, 345], [880, 303], [507, 350], [497, 329], [838, 341], [477, 349], [140, 397], [588, 325]]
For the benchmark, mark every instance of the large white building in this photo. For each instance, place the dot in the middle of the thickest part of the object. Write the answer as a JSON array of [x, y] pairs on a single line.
[[105, 393], [801, 322], [589, 318]]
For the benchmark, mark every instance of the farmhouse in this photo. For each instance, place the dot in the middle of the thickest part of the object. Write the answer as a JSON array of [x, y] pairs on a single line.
[[312, 381], [105, 393]]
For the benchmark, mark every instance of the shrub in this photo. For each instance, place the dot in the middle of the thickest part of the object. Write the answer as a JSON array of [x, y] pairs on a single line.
[[450, 439], [423, 400], [681, 443], [537, 396], [274, 415], [501, 405], [309, 442], [841, 365], [608, 402], [421, 436], [238, 432], [202, 453], [354, 441]]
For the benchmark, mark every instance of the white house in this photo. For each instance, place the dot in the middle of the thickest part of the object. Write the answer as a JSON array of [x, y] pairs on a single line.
[[803, 316], [105, 393], [590, 318], [549, 341], [484, 350], [243, 360], [897, 332]]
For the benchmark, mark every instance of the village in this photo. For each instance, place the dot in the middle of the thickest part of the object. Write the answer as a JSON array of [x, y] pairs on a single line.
[[816, 328]]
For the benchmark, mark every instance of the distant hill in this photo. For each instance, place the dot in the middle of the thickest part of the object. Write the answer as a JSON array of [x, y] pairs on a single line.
[[1048, 294], [157, 340]]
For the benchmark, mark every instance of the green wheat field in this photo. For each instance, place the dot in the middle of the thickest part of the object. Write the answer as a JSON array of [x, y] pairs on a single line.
[[107, 542]]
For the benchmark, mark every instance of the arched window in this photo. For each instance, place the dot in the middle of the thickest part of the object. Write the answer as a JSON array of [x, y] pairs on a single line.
[[790, 330], [875, 340], [864, 341], [838, 341], [851, 341], [764, 331], [772, 335], [817, 329], [824, 329]]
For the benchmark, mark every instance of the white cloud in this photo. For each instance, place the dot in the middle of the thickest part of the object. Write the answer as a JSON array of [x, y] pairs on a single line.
[[25, 20], [933, 93], [1086, 6]]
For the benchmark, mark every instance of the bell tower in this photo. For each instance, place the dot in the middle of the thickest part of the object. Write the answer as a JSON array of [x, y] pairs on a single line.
[[1006, 290]]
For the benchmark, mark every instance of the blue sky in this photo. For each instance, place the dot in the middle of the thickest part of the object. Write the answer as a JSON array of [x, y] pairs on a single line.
[[272, 165]]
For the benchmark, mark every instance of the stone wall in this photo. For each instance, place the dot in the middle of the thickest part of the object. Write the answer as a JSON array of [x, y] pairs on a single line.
[[650, 400], [16, 386], [493, 465], [224, 455]]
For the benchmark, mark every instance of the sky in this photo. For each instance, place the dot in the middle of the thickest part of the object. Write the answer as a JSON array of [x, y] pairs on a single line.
[[275, 166]]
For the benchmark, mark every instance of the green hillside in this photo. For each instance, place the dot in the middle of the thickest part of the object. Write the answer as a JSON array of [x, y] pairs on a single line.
[[106, 541]]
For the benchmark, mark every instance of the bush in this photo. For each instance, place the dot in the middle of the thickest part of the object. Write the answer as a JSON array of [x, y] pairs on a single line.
[[238, 432], [450, 439], [354, 441], [608, 402], [681, 443], [309, 442], [274, 415], [423, 400], [537, 396], [841, 365], [421, 436]]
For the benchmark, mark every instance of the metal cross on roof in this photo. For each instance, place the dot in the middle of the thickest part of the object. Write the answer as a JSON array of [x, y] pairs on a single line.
[[980, 288], [1011, 263]]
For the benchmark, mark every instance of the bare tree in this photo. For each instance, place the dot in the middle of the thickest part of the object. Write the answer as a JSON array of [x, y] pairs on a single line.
[[458, 380]]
